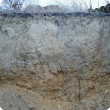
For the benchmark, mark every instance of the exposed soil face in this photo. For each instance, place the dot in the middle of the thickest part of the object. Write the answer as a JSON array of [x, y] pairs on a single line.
[[55, 61], [15, 98], [32, 100]]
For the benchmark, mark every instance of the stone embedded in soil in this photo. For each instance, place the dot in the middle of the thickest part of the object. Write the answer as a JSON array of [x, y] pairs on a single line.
[[12, 101]]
